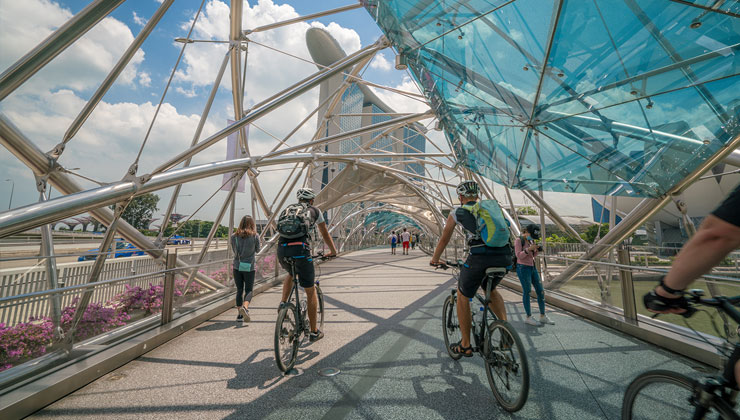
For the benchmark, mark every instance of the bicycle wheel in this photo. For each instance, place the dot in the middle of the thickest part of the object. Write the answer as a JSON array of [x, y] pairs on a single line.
[[663, 394], [287, 337], [320, 309], [506, 365], [450, 325]]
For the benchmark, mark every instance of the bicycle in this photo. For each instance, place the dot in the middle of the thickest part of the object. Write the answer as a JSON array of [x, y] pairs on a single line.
[[672, 395], [497, 342], [292, 326]]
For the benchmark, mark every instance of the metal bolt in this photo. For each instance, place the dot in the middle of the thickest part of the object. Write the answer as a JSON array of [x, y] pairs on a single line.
[[525, 68], [695, 25]]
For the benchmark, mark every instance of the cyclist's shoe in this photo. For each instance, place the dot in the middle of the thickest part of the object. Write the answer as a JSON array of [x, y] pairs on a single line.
[[531, 321], [544, 319], [458, 348], [281, 306], [316, 336]]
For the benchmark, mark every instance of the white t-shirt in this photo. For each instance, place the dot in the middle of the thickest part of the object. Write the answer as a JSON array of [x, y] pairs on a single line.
[[406, 236]]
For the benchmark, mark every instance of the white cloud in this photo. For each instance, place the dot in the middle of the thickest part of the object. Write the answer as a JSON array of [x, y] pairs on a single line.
[[401, 103], [380, 62], [144, 79], [139, 20], [24, 24]]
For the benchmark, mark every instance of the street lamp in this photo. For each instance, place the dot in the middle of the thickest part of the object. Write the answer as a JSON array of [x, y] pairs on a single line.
[[12, 188]]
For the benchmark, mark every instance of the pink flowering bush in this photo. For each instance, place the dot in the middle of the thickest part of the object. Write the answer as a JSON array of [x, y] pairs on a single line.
[[266, 267], [149, 299], [29, 340]]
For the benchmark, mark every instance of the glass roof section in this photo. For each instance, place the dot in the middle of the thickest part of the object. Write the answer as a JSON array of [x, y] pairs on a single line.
[[388, 221], [622, 97]]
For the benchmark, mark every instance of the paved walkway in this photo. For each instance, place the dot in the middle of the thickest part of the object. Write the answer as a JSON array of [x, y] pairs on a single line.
[[383, 332]]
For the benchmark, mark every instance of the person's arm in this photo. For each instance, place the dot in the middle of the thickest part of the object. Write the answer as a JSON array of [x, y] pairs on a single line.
[[519, 249], [327, 239], [443, 240], [712, 242]]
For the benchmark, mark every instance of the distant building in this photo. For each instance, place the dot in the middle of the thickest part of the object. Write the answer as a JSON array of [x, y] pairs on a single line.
[[358, 99]]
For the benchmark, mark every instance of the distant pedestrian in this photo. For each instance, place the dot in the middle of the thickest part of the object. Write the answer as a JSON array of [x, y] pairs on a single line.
[[526, 251], [394, 241], [405, 237], [246, 245], [413, 241]]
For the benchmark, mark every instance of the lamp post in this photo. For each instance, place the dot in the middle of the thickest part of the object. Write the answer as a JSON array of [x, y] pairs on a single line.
[[12, 188]]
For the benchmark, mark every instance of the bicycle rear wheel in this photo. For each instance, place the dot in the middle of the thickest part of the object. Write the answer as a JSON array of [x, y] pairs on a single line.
[[506, 365], [451, 325], [663, 394], [320, 309], [287, 337]]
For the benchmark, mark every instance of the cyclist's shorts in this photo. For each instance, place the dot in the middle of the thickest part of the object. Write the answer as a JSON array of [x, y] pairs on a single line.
[[301, 254], [472, 275], [729, 210]]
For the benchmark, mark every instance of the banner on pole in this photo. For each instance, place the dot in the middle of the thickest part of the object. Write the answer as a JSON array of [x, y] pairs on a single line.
[[233, 151]]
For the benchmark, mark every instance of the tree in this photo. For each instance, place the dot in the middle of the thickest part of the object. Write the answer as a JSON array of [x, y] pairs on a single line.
[[140, 211], [527, 210], [590, 234]]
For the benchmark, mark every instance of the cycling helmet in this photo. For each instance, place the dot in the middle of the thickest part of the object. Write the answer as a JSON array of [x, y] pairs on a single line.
[[305, 194], [467, 188]]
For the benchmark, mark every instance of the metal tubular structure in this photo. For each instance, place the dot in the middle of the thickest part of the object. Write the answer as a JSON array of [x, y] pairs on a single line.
[[116, 71], [296, 90], [554, 215], [54, 44], [640, 214], [52, 275], [42, 165]]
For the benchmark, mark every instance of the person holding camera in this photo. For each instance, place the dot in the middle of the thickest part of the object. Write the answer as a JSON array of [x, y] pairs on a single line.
[[526, 250]]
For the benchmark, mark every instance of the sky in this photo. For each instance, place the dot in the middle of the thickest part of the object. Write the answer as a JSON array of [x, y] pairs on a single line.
[[44, 106]]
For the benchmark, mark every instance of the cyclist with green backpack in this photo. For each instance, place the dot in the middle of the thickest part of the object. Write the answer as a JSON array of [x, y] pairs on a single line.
[[487, 236], [295, 226]]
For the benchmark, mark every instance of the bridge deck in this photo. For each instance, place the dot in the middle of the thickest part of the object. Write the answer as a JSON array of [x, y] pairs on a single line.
[[383, 332]]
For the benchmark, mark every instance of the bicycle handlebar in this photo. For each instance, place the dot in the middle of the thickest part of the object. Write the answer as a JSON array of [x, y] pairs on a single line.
[[448, 264], [322, 257]]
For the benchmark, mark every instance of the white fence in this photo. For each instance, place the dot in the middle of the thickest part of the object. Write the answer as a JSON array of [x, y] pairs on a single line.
[[19, 281]]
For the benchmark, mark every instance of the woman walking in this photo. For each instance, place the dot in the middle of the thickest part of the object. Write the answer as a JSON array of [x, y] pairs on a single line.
[[526, 251], [245, 244]]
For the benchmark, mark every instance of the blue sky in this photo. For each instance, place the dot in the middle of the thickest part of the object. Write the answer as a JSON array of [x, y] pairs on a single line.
[[46, 104]]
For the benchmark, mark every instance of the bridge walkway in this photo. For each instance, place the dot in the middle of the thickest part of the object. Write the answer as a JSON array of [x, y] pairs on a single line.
[[383, 331]]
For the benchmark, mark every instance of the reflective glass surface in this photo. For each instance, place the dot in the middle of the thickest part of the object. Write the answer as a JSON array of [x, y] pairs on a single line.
[[620, 97]]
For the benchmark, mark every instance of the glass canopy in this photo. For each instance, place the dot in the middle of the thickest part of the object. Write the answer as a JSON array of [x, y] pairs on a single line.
[[621, 97]]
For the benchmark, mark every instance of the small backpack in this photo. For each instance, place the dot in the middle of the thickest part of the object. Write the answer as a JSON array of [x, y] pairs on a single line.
[[492, 226], [295, 221]]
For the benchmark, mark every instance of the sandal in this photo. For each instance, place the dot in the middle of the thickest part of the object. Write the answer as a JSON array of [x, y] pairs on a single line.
[[457, 348]]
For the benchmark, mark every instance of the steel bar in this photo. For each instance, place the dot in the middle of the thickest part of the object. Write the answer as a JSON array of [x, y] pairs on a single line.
[[25, 151], [513, 210], [52, 276], [302, 18], [116, 71], [641, 213], [296, 90], [95, 271], [554, 215], [28, 217], [169, 289], [235, 20], [54, 44], [196, 137]]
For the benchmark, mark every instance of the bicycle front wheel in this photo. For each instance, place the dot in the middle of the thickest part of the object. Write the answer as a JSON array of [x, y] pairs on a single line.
[[287, 337], [451, 325], [663, 394], [506, 365]]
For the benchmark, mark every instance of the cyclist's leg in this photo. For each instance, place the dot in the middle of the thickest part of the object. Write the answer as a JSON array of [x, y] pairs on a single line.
[[288, 281], [306, 275], [463, 316], [497, 305], [471, 277]]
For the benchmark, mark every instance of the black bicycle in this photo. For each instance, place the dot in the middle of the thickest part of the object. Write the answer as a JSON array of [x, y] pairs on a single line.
[[495, 340], [292, 326], [663, 394]]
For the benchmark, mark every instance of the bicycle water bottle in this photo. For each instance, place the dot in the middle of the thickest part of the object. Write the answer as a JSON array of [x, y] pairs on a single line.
[[304, 307], [473, 313]]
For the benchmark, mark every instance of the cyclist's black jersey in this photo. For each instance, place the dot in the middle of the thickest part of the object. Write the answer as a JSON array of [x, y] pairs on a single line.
[[729, 210]]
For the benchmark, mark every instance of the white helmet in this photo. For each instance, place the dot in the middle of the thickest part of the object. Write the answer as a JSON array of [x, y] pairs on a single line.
[[468, 188], [305, 194]]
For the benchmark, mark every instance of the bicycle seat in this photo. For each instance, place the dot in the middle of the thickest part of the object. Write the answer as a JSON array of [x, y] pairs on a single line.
[[495, 270]]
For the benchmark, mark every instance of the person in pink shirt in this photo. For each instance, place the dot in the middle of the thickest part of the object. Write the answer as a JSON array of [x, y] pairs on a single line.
[[526, 250]]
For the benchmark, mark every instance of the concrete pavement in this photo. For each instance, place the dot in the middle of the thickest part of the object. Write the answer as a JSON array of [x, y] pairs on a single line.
[[383, 331]]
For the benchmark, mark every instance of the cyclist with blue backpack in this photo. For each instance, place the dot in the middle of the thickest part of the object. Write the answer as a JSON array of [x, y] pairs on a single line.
[[296, 226], [487, 236]]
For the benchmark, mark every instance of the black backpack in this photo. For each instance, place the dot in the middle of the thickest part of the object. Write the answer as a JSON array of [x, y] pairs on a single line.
[[295, 221], [513, 259]]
